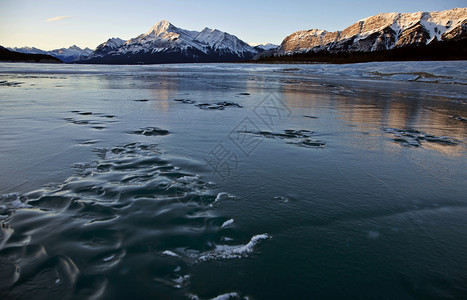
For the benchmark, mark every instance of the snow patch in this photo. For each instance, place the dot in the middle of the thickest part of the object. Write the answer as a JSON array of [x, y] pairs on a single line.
[[264, 46], [227, 223], [227, 296], [436, 24], [231, 252], [170, 253], [223, 196], [109, 258]]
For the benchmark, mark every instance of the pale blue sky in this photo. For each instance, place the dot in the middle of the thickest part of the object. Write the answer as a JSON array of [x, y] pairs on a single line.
[[87, 23]]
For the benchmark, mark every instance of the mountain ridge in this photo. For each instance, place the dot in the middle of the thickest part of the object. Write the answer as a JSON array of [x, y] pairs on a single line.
[[384, 31], [70, 54], [166, 43], [14, 56]]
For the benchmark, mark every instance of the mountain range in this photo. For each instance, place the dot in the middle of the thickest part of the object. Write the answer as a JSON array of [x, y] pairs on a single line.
[[166, 43], [71, 54], [13, 56], [384, 31], [264, 47]]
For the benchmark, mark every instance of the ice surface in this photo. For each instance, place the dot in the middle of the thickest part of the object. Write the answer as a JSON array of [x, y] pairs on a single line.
[[181, 281], [189, 179], [426, 71], [444, 72], [110, 155], [416, 138], [88, 168], [282, 199], [137, 188], [218, 105], [11, 202], [151, 131]]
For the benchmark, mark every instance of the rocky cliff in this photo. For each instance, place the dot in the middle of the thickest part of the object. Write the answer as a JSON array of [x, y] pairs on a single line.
[[381, 32]]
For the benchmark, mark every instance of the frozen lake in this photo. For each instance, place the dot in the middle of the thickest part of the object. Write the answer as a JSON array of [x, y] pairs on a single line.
[[234, 180]]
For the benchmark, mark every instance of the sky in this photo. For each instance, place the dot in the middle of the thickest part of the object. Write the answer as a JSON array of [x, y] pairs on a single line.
[[52, 24]]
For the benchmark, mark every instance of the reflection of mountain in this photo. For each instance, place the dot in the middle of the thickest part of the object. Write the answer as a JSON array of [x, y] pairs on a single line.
[[369, 112]]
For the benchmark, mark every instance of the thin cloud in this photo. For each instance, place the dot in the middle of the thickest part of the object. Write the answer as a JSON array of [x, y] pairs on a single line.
[[54, 19]]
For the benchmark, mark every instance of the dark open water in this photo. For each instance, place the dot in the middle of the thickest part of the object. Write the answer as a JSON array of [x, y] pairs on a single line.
[[233, 181]]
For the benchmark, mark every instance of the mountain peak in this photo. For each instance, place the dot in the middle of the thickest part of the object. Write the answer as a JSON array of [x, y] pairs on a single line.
[[160, 28], [163, 24], [263, 46], [207, 29], [115, 40]]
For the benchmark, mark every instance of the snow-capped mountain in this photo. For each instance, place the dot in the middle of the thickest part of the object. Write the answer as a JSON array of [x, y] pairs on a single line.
[[381, 32], [223, 42], [28, 50], [71, 54], [264, 46], [13, 56], [107, 47], [166, 43]]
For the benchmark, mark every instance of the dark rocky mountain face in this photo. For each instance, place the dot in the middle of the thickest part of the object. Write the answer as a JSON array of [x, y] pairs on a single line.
[[13, 56], [381, 40], [415, 35], [459, 32], [189, 55]]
